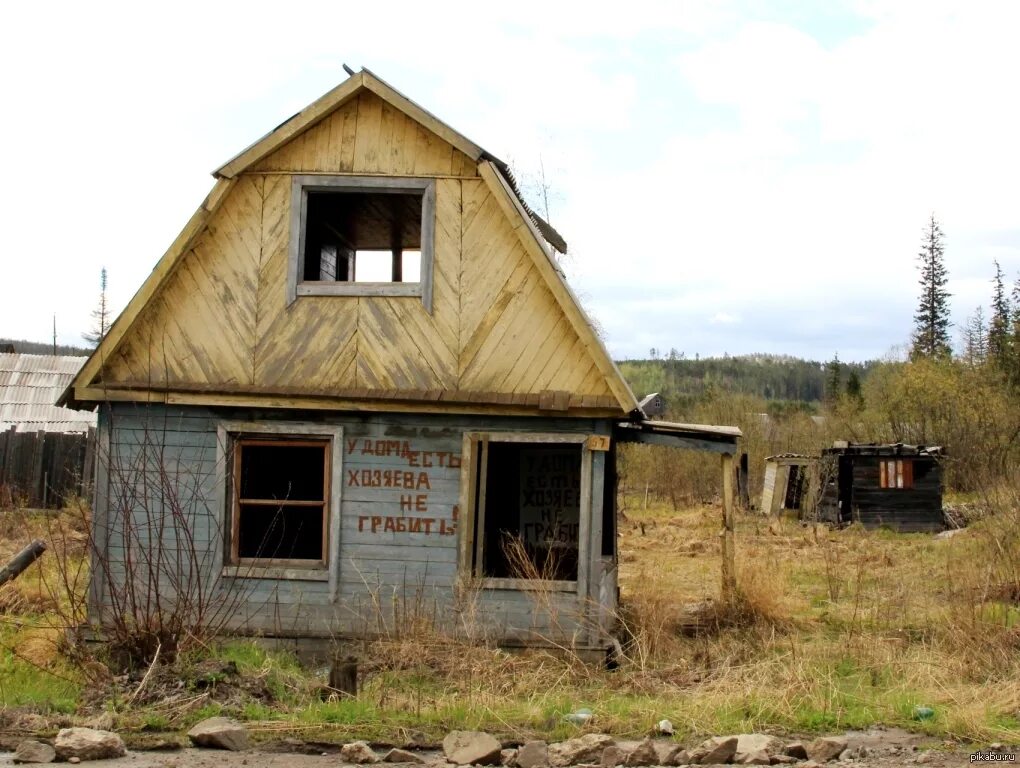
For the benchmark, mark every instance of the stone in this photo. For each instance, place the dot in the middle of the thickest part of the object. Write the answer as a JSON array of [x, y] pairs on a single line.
[[796, 749], [532, 754], [643, 754], [32, 751], [924, 757], [397, 755], [74, 760], [826, 748], [87, 744], [472, 748], [714, 751], [507, 756], [665, 727], [220, 733], [679, 756], [781, 759], [359, 753], [583, 749], [667, 753], [757, 742], [613, 756], [755, 757]]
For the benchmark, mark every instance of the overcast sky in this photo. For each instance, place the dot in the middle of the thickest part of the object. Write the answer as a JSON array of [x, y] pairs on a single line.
[[731, 177]]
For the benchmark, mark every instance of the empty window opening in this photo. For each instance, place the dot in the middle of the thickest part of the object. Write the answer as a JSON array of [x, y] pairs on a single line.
[[281, 492], [896, 473], [529, 506], [362, 237]]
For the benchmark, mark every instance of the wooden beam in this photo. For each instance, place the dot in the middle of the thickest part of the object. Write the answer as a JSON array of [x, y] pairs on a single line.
[[396, 99], [533, 243], [627, 435], [163, 269], [370, 402], [299, 123], [729, 575]]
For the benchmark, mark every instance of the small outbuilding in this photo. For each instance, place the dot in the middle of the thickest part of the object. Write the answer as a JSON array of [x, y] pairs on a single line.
[[787, 480], [894, 485]]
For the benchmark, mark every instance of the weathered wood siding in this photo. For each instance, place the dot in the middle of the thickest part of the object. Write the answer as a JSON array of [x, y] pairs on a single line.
[[158, 492], [904, 509], [496, 333]]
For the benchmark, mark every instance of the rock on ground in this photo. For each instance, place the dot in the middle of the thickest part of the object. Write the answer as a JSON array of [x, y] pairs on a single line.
[[533, 754], [359, 753], [584, 749], [714, 751], [87, 744], [472, 748], [220, 733], [396, 755], [643, 754], [32, 751], [796, 749], [826, 748]]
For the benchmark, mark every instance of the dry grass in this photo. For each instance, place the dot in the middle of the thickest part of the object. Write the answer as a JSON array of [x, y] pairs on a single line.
[[832, 630]]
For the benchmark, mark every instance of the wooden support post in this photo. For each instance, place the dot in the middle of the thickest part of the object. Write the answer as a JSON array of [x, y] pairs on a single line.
[[343, 676], [22, 560], [742, 488], [729, 576]]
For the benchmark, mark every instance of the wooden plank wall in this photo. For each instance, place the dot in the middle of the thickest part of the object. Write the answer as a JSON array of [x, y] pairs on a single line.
[[162, 490], [496, 330], [41, 469], [903, 509]]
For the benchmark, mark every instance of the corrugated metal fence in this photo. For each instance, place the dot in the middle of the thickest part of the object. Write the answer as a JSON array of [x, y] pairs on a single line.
[[40, 469]]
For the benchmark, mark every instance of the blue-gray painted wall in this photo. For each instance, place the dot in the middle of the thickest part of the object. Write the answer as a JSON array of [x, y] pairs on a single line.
[[159, 515]]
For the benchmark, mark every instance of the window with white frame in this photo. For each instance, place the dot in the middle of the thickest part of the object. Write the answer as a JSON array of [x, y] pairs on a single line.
[[361, 236]]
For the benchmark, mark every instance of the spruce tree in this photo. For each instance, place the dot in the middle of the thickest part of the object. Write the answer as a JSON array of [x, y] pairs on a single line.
[[999, 323], [100, 315], [976, 339], [833, 379], [931, 321]]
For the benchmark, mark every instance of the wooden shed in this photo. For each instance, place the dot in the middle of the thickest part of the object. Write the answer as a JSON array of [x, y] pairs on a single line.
[[787, 483], [356, 387], [894, 485]]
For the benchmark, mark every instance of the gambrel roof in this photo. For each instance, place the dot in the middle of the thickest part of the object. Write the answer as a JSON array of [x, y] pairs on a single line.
[[209, 325]]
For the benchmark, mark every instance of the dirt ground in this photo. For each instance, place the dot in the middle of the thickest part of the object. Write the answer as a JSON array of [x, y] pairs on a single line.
[[886, 748]]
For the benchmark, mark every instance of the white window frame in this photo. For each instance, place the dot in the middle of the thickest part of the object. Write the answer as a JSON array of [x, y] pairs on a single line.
[[226, 433], [470, 559], [301, 185]]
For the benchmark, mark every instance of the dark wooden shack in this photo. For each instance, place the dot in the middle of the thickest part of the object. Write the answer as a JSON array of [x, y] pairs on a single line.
[[895, 485]]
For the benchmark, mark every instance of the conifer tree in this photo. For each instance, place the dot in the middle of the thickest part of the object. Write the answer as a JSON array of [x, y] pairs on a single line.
[[100, 315], [931, 321], [999, 323]]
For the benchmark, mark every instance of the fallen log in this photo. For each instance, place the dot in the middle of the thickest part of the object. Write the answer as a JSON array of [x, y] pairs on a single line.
[[22, 560]]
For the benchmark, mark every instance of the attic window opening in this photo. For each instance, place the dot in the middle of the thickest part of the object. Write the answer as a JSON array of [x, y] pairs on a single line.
[[280, 502], [362, 236]]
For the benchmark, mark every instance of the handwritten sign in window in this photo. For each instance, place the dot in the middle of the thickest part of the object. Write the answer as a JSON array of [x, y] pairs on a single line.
[[550, 500]]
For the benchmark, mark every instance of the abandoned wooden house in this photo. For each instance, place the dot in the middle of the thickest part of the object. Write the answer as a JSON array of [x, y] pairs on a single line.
[[895, 485], [358, 378]]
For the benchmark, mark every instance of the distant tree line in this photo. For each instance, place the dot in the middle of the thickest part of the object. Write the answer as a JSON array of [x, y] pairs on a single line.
[[780, 379], [41, 348]]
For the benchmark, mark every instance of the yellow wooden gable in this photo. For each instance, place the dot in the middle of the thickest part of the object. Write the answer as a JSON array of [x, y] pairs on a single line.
[[213, 323]]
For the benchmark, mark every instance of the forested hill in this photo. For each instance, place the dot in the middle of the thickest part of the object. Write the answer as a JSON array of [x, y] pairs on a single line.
[[41, 348], [773, 377]]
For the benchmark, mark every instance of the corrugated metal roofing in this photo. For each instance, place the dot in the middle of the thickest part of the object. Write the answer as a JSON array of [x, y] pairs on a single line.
[[29, 388]]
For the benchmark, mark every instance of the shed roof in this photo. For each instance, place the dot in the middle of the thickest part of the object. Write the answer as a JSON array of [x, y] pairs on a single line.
[[29, 388], [885, 449]]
